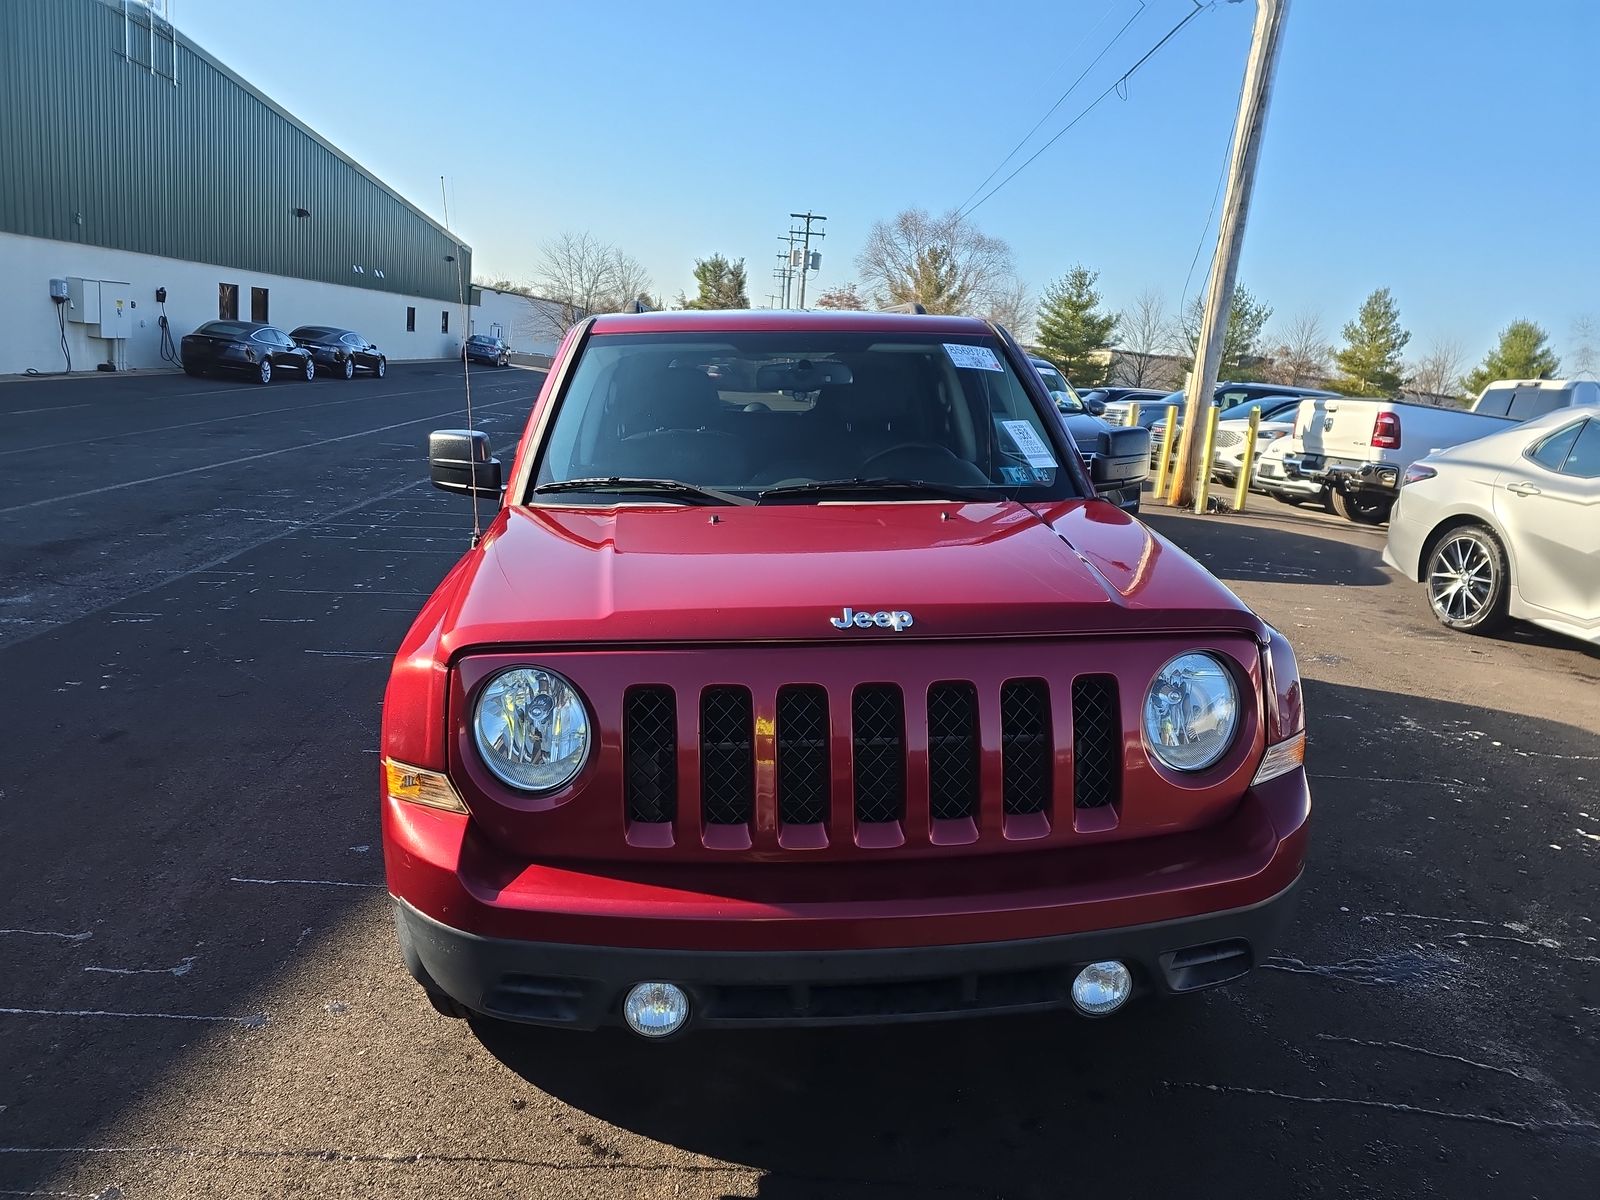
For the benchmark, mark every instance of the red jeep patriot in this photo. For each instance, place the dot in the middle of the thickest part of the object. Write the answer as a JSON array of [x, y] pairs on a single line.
[[800, 679]]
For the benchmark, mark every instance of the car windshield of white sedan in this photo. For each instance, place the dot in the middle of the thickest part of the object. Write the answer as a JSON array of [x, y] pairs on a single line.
[[795, 417]]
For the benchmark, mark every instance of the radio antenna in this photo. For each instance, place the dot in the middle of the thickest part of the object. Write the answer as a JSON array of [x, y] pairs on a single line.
[[466, 367]]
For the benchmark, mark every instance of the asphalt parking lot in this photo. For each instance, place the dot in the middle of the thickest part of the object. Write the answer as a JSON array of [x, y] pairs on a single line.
[[201, 583]]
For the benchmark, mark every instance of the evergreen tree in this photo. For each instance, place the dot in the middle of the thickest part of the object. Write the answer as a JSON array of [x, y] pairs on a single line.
[[1242, 359], [1073, 332], [1369, 362], [1523, 353], [722, 283]]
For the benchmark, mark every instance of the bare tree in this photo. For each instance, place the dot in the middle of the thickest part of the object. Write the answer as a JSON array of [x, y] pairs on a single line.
[[1012, 307], [1146, 338], [844, 296], [1302, 354], [945, 263], [1585, 356], [1438, 372], [581, 275]]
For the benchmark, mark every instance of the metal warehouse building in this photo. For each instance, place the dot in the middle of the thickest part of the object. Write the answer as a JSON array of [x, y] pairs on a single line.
[[133, 164]]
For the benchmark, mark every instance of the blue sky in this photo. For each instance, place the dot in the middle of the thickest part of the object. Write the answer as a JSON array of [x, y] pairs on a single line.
[[1447, 149]]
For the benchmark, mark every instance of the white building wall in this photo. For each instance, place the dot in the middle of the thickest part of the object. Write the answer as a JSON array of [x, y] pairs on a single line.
[[528, 324], [30, 336]]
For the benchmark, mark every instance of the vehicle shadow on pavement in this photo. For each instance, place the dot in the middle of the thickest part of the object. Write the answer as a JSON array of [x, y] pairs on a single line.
[[1261, 553], [959, 1109]]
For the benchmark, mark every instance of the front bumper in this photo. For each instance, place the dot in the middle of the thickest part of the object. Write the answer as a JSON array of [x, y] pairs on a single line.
[[894, 940], [582, 987]]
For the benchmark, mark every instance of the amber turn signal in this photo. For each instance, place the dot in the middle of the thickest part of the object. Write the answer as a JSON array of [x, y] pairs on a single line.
[[417, 786], [1282, 758]]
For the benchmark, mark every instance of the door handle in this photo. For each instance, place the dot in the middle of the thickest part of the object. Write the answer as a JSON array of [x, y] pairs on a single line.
[[1523, 489]]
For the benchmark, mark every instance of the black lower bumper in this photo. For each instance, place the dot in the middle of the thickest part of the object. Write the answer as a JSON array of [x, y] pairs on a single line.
[[581, 987]]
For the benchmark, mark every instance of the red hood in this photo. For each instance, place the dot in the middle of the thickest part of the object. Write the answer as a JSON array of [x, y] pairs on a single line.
[[553, 576]]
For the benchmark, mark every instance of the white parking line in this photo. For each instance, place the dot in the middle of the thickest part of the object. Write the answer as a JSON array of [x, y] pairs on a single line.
[[233, 462]]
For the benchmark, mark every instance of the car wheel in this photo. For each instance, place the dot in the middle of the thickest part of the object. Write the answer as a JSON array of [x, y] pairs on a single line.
[[264, 370], [310, 368], [1363, 510], [448, 1006], [349, 368], [1467, 580], [383, 364]]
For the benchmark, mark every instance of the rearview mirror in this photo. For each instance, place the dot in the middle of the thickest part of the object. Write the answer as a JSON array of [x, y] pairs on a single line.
[[459, 462], [803, 376]]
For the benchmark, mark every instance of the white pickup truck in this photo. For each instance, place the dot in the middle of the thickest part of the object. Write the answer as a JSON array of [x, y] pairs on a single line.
[[1359, 449]]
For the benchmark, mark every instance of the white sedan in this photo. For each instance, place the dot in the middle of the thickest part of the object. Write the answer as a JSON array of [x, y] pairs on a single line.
[[1508, 526]]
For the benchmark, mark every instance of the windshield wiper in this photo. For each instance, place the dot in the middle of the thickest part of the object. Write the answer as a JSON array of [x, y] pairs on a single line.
[[626, 483], [867, 487]]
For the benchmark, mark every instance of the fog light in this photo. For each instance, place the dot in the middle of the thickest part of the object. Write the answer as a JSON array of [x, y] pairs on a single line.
[[655, 1010], [1102, 988]]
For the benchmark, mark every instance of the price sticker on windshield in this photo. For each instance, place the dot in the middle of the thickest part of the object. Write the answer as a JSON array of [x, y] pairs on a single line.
[[1028, 442], [976, 358]]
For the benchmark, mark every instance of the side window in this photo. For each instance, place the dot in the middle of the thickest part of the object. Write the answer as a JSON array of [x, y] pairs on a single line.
[[1552, 452], [1584, 461], [351, 339]]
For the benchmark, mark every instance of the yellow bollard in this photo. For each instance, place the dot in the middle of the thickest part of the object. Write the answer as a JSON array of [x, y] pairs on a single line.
[[1248, 462], [1133, 413], [1202, 485], [1166, 451]]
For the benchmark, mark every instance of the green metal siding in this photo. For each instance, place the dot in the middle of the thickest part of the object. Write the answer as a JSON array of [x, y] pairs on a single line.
[[101, 149]]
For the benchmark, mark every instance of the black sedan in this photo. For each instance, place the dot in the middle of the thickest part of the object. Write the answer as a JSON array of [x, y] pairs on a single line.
[[340, 352], [250, 347], [481, 347]]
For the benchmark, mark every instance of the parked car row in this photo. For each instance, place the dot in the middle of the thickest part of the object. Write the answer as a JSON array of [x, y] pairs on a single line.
[[259, 350], [1117, 457]]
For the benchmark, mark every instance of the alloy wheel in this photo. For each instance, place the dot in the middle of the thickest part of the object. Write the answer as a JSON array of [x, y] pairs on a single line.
[[1461, 579], [311, 369], [264, 370], [349, 368]]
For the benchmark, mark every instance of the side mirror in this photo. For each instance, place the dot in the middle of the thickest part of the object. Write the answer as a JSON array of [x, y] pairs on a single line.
[[1122, 455], [1096, 407], [459, 462]]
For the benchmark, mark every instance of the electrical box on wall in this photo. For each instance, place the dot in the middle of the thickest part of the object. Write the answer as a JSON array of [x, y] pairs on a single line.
[[116, 309], [83, 300]]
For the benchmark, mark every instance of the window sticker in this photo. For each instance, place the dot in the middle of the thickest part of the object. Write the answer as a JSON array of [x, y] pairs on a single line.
[[1018, 476], [1030, 444], [976, 358]]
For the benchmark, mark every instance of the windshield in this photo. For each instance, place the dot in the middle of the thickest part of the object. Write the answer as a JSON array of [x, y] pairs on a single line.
[[479, 339], [226, 328], [1267, 405], [742, 413], [311, 333]]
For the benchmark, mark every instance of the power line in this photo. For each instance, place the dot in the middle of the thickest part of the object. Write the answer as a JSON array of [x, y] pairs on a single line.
[[1093, 104], [1061, 99]]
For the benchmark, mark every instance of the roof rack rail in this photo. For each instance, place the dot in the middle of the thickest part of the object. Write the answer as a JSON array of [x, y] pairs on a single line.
[[919, 309]]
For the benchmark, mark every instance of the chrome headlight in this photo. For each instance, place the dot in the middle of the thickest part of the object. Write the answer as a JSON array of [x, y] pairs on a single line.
[[1191, 712], [531, 729]]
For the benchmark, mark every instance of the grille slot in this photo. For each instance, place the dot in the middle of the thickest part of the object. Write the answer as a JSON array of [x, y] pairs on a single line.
[[727, 756], [802, 743], [952, 751], [1096, 742], [650, 755], [1025, 745], [880, 753]]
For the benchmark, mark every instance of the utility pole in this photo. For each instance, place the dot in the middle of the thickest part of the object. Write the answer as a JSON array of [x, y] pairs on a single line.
[[1258, 72], [787, 259], [805, 261]]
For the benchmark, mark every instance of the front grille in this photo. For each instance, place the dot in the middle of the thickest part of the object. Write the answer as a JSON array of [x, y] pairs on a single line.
[[727, 756], [650, 754], [878, 740], [1096, 742], [1226, 438], [952, 751], [802, 752], [807, 801], [1025, 745]]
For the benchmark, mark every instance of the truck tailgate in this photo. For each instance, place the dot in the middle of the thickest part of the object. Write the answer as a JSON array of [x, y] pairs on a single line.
[[1335, 427]]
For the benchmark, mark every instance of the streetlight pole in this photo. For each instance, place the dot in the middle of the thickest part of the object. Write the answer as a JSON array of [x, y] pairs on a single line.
[[805, 260], [1258, 72]]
